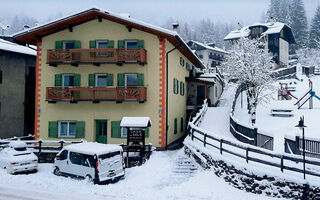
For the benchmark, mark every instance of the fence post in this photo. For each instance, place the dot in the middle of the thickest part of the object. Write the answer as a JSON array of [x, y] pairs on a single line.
[[247, 154], [204, 140], [192, 134], [281, 164], [297, 150], [61, 144], [221, 146], [40, 144], [255, 137]]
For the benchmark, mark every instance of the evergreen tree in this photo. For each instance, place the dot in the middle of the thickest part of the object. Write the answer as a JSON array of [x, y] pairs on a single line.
[[314, 40], [273, 10], [299, 24]]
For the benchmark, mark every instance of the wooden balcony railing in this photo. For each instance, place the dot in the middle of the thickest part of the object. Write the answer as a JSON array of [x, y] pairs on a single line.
[[96, 56], [96, 94]]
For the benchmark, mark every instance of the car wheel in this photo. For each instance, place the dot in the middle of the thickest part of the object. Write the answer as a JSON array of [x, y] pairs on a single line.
[[57, 172], [89, 178]]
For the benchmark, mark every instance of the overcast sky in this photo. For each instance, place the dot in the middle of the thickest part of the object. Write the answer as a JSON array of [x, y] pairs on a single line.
[[153, 11]]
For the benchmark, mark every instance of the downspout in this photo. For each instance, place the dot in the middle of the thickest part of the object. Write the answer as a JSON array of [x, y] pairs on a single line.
[[167, 68]]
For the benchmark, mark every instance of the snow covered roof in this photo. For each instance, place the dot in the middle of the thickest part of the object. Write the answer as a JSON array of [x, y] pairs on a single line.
[[271, 28], [93, 148], [13, 47], [139, 122], [32, 35], [210, 80], [208, 47]]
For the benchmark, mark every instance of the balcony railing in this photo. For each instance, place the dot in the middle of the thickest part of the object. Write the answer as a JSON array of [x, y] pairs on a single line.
[[216, 57], [96, 94], [96, 56]]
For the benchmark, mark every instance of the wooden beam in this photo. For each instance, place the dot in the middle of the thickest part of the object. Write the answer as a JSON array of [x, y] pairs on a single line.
[[129, 28], [70, 28]]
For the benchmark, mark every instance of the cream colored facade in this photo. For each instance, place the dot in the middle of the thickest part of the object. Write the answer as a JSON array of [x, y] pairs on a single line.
[[111, 111]]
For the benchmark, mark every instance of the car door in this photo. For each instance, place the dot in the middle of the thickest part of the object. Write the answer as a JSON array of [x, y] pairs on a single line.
[[62, 163]]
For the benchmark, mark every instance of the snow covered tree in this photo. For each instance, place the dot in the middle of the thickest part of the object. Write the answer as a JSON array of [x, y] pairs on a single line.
[[299, 24], [273, 10], [309, 57], [314, 40], [250, 65]]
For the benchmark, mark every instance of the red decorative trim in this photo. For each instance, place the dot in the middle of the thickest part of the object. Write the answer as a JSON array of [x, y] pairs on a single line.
[[37, 93], [162, 91]]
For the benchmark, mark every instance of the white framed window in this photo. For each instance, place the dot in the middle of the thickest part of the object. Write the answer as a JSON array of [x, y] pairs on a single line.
[[131, 80], [101, 80], [124, 131], [101, 44], [67, 129], [131, 44], [68, 45], [67, 80]]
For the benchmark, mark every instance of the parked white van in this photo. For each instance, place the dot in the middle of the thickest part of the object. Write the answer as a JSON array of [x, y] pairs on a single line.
[[93, 161]]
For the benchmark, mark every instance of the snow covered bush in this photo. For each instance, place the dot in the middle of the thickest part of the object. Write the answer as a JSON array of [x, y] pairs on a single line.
[[248, 63]]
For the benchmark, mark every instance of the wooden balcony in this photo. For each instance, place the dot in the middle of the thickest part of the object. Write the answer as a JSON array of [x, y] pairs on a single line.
[[96, 94], [96, 56]]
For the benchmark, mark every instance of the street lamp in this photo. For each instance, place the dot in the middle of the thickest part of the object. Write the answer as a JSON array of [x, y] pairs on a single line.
[[301, 127]]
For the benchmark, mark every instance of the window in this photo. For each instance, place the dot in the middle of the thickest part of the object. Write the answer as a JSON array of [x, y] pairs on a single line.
[[67, 129], [181, 124], [75, 158], [68, 45], [102, 44], [175, 86], [0, 76], [109, 155], [200, 56], [87, 160], [181, 88], [67, 80], [175, 126], [131, 44], [131, 79], [64, 155], [181, 61], [101, 80], [102, 127]]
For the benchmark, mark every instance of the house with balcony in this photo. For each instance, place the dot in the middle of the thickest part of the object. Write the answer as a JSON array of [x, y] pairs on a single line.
[[276, 37], [96, 67], [17, 89]]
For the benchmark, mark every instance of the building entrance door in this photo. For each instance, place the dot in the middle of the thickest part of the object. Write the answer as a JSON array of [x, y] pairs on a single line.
[[201, 94], [101, 131]]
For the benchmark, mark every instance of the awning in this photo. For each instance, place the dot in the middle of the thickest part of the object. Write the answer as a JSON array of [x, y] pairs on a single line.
[[139, 122]]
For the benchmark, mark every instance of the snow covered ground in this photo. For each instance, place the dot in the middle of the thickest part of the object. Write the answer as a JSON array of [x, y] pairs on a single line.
[[167, 175], [280, 126]]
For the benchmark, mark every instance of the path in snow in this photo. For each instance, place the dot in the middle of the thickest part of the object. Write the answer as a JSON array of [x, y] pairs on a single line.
[[167, 175], [216, 119]]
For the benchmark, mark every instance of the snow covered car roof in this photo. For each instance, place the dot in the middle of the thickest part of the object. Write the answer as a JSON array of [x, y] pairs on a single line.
[[32, 35], [138, 122], [13, 47], [271, 28], [93, 148]]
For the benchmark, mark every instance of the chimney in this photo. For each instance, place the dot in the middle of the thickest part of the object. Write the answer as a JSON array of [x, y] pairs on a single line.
[[175, 27], [239, 26]]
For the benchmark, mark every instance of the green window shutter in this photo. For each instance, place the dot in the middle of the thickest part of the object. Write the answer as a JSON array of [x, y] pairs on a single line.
[[183, 89], [53, 129], [77, 80], [181, 124], [77, 44], [140, 43], [58, 44], [80, 129], [110, 44], [175, 125], [92, 44], [174, 86], [120, 79], [140, 80], [110, 80], [58, 80], [92, 80], [121, 44], [115, 129], [147, 132]]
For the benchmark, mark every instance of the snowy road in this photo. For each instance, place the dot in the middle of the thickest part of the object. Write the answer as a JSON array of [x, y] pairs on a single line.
[[167, 175]]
